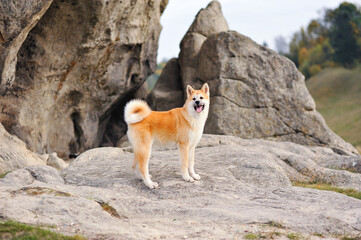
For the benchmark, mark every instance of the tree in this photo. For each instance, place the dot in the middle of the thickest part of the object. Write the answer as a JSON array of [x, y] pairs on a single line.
[[330, 41], [345, 33]]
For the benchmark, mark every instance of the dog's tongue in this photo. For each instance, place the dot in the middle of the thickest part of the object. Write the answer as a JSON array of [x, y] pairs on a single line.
[[199, 109]]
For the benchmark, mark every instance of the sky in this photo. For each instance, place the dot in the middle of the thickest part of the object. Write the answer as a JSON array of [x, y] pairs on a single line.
[[261, 20]]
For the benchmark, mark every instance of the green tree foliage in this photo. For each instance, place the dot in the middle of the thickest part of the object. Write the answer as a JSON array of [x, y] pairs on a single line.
[[345, 33], [333, 40]]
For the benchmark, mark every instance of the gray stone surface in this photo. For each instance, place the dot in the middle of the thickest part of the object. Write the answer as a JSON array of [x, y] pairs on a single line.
[[257, 93], [17, 18], [14, 154], [207, 22], [75, 68], [245, 188], [168, 91]]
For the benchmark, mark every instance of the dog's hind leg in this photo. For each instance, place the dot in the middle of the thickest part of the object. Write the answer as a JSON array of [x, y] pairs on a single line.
[[135, 168], [191, 171], [184, 154], [142, 154]]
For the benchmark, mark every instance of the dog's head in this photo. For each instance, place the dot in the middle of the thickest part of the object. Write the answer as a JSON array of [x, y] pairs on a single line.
[[198, 100]]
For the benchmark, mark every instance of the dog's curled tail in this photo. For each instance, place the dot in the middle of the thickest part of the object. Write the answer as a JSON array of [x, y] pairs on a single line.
[[135, 111]]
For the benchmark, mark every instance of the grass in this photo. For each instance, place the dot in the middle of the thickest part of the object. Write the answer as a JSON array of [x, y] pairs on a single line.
[[272, 235], [328, 187], [251, 236], [294, 236], [17, 231], [275, 224], [106, 207], [33, 191], [3, 175], [337, 93]]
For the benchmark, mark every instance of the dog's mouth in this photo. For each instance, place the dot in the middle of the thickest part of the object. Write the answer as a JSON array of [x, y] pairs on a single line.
[[199, 108]]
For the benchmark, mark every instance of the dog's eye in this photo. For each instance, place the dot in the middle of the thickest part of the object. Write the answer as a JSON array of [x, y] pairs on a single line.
[[194, 99], [201, 97]]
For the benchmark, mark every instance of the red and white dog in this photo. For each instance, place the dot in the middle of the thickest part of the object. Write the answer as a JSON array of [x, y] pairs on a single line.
[[183, 126]]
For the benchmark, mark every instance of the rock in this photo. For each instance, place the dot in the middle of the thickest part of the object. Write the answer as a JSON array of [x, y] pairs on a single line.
[[207, 22], [45, 174], [18, 19], [14, 154], [17, 178], [178, 73], [245, 188], [56, 162], [168, 91], [76, 69], [92, 173], [257, 93]]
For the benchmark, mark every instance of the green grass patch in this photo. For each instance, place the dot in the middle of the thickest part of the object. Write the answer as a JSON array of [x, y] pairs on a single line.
[[251, 236], [294, 236], [268, 235], [337, 93], [17, 231], [351, 238], [328, 187], [3, 175], [275, 224], [318, 234]]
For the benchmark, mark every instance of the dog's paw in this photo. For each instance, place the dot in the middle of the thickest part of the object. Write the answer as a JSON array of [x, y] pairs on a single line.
[[152, 185], [196, 176], [188, 179]]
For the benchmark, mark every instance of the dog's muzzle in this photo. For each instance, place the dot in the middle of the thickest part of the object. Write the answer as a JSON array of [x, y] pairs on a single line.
[[199, 107]]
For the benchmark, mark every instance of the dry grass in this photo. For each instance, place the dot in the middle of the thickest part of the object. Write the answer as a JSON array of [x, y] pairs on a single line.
[[34, 191], [106, 207]]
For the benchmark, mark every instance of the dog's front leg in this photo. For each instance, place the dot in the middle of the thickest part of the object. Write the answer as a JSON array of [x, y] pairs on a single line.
[[191, 164], [184, 154]]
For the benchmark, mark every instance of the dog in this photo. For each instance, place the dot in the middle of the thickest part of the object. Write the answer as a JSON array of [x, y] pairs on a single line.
[[183, 126]]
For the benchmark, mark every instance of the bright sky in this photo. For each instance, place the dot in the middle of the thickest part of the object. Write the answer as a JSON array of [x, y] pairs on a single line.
[[261, 20]]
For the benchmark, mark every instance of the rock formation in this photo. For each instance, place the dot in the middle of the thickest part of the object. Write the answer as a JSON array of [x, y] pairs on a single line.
[[260, 94], [207, 22], [78, 66], [246, 187], [168, 91], [255, 92], [75, 68], [17, 18], [15, 155]]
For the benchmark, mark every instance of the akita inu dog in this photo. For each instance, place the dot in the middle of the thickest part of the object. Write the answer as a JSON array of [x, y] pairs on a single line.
[[183, 126]]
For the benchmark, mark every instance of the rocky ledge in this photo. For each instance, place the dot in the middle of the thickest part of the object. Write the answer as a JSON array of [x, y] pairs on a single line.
[[246, 187]]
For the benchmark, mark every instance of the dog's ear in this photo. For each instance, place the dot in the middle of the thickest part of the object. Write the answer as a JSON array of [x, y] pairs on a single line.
[[190, 90], [205, 88]]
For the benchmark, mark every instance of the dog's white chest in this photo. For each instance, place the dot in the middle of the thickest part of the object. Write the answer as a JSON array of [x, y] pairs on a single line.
[[197, 130]]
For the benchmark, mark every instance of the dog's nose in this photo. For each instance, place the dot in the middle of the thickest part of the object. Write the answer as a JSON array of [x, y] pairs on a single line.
[[197, 102]]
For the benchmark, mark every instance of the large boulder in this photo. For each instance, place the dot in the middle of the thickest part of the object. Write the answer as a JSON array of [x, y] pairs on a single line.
[[207, 22], [246, 187], [182, 71], [76, 67], [255, 92]]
